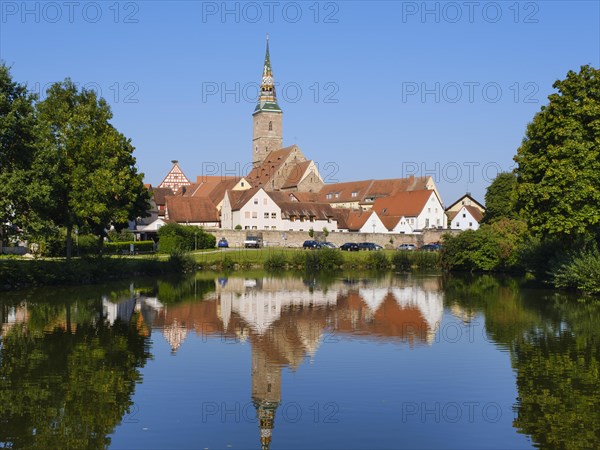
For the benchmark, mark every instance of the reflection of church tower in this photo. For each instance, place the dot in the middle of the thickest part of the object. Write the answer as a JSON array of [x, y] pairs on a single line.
[[266, 116], [266, 393]]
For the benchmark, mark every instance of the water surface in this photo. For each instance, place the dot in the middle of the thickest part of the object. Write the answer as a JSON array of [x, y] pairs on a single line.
[[295, 362]]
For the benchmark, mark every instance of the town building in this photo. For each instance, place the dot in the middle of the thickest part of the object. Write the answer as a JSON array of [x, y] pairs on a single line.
[[465, 214]]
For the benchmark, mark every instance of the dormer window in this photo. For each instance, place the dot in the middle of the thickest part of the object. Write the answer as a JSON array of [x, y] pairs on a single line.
[[270, 126], [355, 194]]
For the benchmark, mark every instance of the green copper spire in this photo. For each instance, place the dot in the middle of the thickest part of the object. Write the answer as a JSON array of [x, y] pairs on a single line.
[[267, 100]]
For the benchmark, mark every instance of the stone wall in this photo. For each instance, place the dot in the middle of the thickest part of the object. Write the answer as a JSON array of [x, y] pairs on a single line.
[[296, 238]]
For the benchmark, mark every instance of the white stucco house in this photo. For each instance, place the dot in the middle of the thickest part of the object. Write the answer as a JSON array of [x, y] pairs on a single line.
[[257, 209]]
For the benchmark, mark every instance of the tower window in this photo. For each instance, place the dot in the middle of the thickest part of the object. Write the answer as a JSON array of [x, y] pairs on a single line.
[[270, 126]]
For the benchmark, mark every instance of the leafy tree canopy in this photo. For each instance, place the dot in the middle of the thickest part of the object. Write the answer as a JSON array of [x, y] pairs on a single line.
[[499, 198], [558, 173]]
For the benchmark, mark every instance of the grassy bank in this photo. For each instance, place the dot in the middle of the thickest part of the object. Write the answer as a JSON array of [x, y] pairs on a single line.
[[324, 259], [18, 273]]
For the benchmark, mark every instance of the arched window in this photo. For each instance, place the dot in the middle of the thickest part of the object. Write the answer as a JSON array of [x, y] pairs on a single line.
[[270, 126]]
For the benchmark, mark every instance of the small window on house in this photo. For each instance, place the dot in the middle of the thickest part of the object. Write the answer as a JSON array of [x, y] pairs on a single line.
[[266, 227], [470, 224], [312, 218], [456, 225], [437, 221], [273, 228], [254, 227], [247, 214], [428, 210], [355, 194], [256, 201], [246, 227], [254, 215], [270, 126], [464, 216], [273, 215], [329, 196], [266, 215], [337, 195], [242, 184], [265, 201]]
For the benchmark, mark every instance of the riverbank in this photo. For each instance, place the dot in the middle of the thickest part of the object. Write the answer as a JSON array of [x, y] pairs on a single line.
[[18, 272]]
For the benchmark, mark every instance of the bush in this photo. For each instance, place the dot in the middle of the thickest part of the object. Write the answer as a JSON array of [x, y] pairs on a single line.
[[326, 258], [276, 261], [114, 248], [581, 272], [298, 260], [175, 238], [377, 260], [492, 248], [401, 261], [182, 263]]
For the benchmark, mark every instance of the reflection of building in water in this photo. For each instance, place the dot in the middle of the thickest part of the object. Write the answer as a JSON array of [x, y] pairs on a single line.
[[12, 315], [463, 314], [284, 321], [266, 393]]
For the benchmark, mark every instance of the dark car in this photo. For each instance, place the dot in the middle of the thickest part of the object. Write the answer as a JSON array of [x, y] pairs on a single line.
[[369, 246], [311, 245], [430, 247], [327, 245], [223, 243], [349, 247]]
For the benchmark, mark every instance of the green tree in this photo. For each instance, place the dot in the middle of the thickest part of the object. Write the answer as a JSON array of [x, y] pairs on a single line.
[[85, 174], [558, 173], [499, 198], [17, 148]]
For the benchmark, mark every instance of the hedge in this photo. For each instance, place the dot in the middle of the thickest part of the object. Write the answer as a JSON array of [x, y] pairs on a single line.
[[121, 247]]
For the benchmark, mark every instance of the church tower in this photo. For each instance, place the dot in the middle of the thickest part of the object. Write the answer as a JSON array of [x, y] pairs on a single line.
[[266, 117]]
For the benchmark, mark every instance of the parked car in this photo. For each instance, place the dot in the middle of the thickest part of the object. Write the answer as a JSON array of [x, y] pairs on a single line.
[[407, 247], [223, 243], [311, 245], [327, 245], [349, 247], [253, 242], [369, 246], [430, 247]]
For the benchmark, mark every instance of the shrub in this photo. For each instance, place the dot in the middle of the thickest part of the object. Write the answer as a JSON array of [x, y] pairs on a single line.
[[401, 261], [238, 227], [112, 248], [276, 261], [182, 263], [497, 247], [581, 272], [326, 258], [183, 238], [377, 260], [298, 260]]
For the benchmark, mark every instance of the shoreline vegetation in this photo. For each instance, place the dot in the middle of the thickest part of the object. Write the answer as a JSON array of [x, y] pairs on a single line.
[[20, 272]]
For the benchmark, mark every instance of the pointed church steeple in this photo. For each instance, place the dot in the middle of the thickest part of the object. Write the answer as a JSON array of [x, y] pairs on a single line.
[[267, 133], [267, 99]]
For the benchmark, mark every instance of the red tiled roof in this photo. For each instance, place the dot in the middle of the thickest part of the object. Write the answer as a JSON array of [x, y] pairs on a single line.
[[469, 197], [239, 198], [473, 210], [295, 174], [320, 211], [407, 204], [357, 218], [370, 189], [261, 175], [191, 209], [160, 194]]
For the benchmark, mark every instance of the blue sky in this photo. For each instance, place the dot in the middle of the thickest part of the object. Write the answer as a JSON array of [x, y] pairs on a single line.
[[368, 89]]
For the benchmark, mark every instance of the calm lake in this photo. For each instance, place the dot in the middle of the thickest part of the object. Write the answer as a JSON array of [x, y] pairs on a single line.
[[255, 360]]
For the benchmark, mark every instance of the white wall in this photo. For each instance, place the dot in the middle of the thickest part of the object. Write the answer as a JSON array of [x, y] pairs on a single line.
[[373, 225], [432, 215], [464, 221], [403, 226]]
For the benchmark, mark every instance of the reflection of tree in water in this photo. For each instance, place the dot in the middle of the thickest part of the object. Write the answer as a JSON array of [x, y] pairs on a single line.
[[558, 378], [555, 349], [66, 381]]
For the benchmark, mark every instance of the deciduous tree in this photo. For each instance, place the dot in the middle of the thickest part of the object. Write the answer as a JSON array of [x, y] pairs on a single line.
[[558, 173]]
